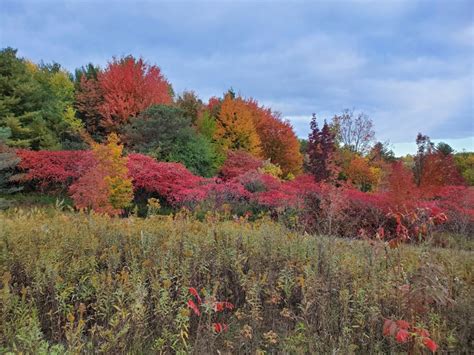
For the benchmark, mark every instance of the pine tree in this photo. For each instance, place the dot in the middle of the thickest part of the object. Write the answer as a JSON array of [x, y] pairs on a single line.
[[8, 162]]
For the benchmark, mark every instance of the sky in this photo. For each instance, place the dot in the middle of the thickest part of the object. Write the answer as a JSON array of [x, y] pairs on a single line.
[[408, 64]]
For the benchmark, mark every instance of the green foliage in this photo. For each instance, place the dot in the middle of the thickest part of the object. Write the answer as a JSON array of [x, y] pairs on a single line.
[[197, 153], [465, 163], [156, 130], [8, 163], [165, 133], [87, 283], [207, 125], [271, 169], [190, 104], [36, 103], [444, 148]]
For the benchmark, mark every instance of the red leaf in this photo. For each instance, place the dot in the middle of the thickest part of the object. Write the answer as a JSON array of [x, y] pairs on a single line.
[[193, 306], [389, 327], [403, 324], [194, 292], [402, 336], [218, 306], [220, 327], [430, 344]]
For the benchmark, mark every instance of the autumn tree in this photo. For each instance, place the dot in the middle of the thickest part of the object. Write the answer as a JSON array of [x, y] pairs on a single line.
[[362, 175], [106, 187], [440, 170], [321, 152], [425, 148], [381, 152], [354, 131], [278, 140], [402, 189], [107, 99], [88, 98], [435, 167], [381, 158], [235, 127]]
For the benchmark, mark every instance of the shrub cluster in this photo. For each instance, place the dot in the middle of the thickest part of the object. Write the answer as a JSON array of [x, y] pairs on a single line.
[[397, 213]]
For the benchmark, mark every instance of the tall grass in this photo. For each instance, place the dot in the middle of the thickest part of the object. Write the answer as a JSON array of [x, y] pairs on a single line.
[[81, 283]]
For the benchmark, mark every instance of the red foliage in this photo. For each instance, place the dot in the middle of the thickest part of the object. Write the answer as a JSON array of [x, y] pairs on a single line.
[[89, 97], [91, 191], [402, 189], [402, 336], [401, 214], [458, 204], [194, 292], [54, 167], [214, 105], [220, 327], [221, 306], [322, 152], [430, 344], [130, 86], [227, 192], [194, 308], [216, 306], [403, 332], [237, 163], [278, 140], [439, 170], [170, 180]]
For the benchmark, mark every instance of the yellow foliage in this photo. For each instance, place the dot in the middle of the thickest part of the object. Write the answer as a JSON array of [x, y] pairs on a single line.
[[235, 127], [109, 158], [271, 169]]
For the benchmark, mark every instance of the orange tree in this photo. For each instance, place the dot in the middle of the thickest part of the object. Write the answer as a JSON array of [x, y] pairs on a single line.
[[235, 127]]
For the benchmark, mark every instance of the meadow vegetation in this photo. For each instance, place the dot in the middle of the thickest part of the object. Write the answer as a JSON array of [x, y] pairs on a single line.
[[78, 282]]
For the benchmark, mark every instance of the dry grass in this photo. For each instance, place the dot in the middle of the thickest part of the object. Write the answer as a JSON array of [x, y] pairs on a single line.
[[77, 282]]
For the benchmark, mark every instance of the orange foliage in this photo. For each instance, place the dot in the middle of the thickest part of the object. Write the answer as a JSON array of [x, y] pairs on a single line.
[[235, 128], [279, 142], [361, 174]]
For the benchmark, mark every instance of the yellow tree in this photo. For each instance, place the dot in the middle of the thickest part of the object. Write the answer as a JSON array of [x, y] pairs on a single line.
[[106, 187], [235, 128]]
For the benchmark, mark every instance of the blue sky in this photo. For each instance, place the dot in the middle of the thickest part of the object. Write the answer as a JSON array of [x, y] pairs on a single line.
[[407, 64]]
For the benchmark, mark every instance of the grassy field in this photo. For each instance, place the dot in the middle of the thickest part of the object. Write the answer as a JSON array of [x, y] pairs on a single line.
[[78, 282]]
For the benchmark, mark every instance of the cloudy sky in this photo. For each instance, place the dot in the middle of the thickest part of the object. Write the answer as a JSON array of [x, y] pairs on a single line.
[[407, 64]]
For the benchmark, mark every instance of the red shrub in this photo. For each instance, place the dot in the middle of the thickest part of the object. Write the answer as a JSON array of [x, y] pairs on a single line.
[[55, 167], [400, 213], [170, 180], [458, 204], [238, 163]]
